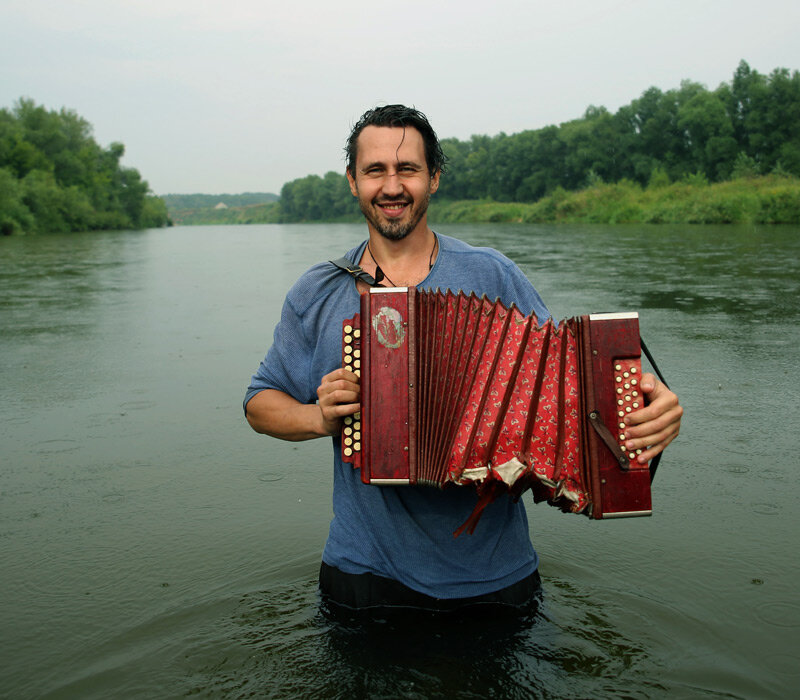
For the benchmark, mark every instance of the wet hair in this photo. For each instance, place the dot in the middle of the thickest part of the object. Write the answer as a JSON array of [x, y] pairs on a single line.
[[402, 116]]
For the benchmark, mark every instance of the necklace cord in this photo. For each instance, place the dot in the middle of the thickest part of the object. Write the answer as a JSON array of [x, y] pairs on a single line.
[[380, 275]]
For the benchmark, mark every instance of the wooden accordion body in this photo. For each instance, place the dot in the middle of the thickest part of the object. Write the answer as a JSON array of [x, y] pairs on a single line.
[[457, 389]]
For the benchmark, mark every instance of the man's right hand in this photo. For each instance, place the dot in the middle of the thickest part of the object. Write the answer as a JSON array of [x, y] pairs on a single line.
[[277, 414], [339, 394]]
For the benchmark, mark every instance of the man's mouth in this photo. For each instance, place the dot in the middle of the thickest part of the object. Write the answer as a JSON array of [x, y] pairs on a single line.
[[392, 208]]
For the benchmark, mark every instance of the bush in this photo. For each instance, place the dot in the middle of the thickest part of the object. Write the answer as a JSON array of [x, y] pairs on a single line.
[[15, 217], [658, 179], [744, 167], [780, 207]]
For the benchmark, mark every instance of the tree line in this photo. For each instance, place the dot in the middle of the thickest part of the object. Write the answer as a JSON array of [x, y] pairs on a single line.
[[178, 202], [747, 127], [54, 177]]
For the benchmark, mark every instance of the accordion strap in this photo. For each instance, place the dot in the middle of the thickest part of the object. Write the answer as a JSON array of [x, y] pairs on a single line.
[[657, 458], [652, 361], [605, 435], [355, 270]]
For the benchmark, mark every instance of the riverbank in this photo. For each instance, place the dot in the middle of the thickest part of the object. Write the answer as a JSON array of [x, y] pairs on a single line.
[[772, 199], [269, 213]]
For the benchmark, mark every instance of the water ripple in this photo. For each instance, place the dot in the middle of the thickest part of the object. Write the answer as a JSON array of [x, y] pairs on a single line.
[[57, 446], [779, 613]]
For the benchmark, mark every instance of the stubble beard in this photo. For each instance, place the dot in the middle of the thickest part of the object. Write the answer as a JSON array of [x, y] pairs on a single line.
[[394, 230]]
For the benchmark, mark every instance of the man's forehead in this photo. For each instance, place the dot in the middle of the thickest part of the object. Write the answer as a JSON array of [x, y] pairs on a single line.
[[392, 142]]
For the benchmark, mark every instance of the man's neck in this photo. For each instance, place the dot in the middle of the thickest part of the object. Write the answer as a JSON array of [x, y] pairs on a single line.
[[416, 243], [405, 262]]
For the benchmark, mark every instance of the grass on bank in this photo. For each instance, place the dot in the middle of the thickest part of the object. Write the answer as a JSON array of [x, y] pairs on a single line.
[[771, 199], [250, 214]]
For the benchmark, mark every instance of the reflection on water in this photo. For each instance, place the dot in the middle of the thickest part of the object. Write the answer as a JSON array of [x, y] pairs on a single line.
[[152, 545], [278, 644]]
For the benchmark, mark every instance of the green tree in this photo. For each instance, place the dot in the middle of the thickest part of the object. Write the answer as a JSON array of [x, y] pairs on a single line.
[[684, 134], [63, 179], [15, 217], [708, 132]]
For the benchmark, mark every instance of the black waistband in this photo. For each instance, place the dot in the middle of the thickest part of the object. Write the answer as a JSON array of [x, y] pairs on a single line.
[[365, 592]]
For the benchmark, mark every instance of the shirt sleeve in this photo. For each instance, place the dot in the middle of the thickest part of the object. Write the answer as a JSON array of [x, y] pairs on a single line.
[[519, 290], [287, 364]]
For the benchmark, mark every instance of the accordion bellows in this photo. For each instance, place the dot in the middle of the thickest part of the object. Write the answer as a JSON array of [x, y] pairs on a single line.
[[457, 389]]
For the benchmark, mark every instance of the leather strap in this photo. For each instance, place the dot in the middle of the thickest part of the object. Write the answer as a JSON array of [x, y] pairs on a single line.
[[655, 461], [605, 435], [355, 270], [652, 361]]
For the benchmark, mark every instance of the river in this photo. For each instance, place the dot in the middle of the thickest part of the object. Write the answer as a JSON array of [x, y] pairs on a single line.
[[152, 545]]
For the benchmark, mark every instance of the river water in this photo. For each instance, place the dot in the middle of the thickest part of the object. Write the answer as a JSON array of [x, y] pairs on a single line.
[[151, 545]]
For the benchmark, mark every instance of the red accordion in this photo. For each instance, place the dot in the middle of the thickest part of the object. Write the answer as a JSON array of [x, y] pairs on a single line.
[[457, 389]]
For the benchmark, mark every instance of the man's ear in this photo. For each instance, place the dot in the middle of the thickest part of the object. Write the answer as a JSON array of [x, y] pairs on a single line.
[[435, 182], [352, 182]]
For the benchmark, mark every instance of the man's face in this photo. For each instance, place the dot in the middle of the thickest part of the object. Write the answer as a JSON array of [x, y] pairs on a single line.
[[392, 181]]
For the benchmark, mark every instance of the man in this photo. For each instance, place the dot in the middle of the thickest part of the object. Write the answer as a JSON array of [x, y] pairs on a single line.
[[393, 546]]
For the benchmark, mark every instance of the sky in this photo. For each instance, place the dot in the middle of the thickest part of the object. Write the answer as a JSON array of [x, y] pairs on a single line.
[[243, 96]]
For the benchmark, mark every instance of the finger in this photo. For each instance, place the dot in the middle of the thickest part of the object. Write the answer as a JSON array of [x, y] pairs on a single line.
[[648, 383], [341, 374], [662, 402], [340, 410], [652, 435], [652, 419], [653, 450], [338, 388], [332, 415], [333, 385], [339, 398]]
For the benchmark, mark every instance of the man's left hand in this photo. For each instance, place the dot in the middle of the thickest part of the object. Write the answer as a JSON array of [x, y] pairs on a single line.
[[653, 427]]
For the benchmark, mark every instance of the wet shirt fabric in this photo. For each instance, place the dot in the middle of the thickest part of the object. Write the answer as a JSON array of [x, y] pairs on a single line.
[[403, 533]]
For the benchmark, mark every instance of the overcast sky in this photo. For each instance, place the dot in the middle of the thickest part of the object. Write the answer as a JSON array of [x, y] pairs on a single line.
[[226, 97]]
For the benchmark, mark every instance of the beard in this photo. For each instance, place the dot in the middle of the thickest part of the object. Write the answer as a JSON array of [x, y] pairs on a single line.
[[390, 229]]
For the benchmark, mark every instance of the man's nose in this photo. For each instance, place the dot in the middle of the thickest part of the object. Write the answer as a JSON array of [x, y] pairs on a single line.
[[392, 184]]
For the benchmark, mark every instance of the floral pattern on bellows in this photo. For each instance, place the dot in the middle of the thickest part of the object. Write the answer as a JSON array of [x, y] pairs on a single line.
[[497, 401]]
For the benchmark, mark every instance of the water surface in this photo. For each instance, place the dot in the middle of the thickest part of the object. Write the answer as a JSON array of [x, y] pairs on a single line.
[[153, 546]]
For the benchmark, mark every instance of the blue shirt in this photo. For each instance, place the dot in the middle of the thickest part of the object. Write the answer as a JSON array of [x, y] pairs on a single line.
[[403, 532]]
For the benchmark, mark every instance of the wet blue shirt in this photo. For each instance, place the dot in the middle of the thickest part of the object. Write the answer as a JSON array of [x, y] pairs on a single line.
[[403, 532]]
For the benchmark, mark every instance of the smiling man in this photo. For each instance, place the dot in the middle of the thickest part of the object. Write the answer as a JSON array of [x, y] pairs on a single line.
[[392, 181], [392, 547]]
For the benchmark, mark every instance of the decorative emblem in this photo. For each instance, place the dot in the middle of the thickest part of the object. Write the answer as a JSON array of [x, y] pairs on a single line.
[[388, 326]]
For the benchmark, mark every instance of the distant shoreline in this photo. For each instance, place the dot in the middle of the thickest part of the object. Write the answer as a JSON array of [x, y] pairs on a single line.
[[764, 200], [770, 199]]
